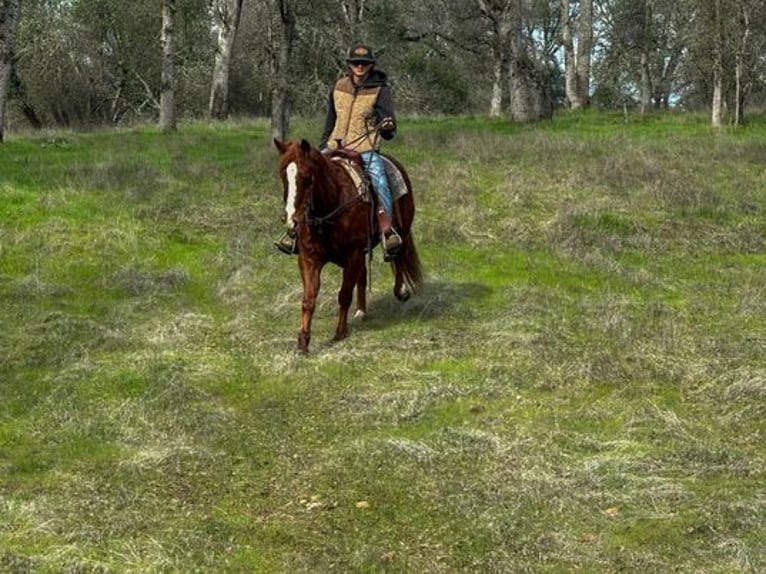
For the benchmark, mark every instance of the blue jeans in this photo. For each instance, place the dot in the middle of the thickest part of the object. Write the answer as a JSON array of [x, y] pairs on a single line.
[[373, 163]]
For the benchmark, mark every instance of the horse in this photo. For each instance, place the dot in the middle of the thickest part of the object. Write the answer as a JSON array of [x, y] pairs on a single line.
[[334, 223]]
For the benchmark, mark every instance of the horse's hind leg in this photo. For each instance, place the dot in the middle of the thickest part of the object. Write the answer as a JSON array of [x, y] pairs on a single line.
[[401, 288], [406, 258], [346, 294]]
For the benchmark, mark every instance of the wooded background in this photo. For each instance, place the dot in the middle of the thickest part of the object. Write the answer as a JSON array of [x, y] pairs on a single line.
[[80, 63]]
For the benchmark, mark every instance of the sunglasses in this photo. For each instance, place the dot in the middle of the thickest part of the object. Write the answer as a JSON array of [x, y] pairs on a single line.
[[357, 64]]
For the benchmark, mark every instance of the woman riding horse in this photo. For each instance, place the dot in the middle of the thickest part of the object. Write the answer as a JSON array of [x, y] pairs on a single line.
[[359, 109]]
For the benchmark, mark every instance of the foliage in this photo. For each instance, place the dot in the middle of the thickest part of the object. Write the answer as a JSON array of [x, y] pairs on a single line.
[[579, 386], [94, 62], [433, 84]]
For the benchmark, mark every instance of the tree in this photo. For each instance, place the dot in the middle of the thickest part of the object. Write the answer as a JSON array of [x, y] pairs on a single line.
[[642, 44], [282, 39], [714, 54], [91, 62], [226, 18], [499, 16], [749, 42], [9, 11], [577, 25], [353, 15], [669, 28], [718, 52], [479, 39], [120, 41], [529, 75], [168, 79]]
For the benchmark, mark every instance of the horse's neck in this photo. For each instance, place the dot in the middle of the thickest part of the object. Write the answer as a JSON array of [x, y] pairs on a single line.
[[330, 191]]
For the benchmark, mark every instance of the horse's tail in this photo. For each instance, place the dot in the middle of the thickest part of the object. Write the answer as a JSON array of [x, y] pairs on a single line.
[[409, 262]]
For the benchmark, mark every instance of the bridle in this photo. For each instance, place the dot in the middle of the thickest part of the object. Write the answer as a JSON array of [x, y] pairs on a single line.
[[309, 208], [318, 221]]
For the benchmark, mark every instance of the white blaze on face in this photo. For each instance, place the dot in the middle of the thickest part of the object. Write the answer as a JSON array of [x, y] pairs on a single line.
[[292, 194]]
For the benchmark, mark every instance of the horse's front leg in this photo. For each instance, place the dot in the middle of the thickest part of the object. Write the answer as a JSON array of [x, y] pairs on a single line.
[[310, 275], [351, 274], [361, 292]]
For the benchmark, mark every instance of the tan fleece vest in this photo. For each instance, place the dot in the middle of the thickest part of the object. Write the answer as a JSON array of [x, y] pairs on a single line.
[[355, 117]]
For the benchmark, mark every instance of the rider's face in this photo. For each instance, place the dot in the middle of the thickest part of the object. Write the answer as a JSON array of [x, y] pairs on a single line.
[[359, 70]]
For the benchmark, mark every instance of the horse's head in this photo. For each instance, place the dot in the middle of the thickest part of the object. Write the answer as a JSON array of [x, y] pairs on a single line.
[[296, 170]]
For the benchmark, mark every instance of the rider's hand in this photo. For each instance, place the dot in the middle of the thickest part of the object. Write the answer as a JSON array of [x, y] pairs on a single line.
[[387, 125]]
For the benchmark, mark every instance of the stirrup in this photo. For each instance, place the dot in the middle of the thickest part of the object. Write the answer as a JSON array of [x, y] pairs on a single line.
[[287, 243], [390, 252]]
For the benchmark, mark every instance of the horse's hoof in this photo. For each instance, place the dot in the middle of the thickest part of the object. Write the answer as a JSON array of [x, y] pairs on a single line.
[[403, 294], [303, 343], [360, 315]]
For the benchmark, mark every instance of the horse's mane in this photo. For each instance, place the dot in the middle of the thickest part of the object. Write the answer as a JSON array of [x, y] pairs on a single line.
[[302, 151]]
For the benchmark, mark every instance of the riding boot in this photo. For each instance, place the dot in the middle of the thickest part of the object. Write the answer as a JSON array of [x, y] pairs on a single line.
[[389, 238], [288, 242]]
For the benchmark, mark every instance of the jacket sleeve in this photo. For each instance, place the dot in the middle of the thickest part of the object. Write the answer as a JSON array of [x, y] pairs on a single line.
[[384, 108], [329, 122]]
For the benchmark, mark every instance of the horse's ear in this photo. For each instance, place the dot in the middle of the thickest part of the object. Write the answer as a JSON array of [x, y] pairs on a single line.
[[305, 146], [281, 146]]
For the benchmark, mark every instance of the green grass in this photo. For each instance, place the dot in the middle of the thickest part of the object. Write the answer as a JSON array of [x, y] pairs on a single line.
[[579, 385]]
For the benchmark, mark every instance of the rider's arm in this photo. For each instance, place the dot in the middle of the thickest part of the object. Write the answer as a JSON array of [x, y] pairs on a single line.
[[384, 108], [329, 122]]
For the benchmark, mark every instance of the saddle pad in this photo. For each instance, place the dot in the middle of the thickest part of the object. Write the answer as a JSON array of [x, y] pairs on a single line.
[[395, 179]]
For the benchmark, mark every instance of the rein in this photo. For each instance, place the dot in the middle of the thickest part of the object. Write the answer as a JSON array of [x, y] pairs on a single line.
[[375, 129], [316, 221]]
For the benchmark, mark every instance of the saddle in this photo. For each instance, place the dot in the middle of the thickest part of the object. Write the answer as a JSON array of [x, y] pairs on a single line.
[[352, 162]]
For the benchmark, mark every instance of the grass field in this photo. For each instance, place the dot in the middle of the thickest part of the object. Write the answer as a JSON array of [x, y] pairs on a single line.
[[580, 385]]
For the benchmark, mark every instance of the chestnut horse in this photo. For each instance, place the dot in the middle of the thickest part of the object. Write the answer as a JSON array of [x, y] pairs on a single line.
[[335, 224]]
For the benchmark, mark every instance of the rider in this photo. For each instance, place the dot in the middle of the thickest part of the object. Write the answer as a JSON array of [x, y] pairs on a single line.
[[360, 108]]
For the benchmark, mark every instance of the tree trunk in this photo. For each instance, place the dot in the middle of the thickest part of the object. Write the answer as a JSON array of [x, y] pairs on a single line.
[[353, 11], [500, 16], [280, 107], [718, 47], [168, 79], [584, 47], [739, 94], [9, 14], [646, 83], [646, 48], [529, 80], [226, 18], [577, 59], [664, 85], [19, 91], [567, 43], [531, 98], [718, 108], [496, 101]]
